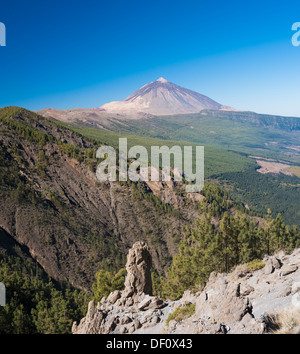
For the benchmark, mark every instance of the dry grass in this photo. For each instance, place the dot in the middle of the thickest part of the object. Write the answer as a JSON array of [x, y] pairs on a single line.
[[241, 270], [286, 322]]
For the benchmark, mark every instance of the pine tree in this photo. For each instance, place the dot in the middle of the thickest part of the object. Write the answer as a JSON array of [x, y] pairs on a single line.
[[106, 282]]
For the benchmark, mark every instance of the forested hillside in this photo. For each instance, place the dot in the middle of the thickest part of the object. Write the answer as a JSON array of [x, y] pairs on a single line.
[[59, 227], [231, 139]]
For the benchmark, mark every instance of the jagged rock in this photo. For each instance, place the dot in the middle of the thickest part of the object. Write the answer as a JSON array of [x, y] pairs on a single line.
[[233, 309], [125, 320], [147, 316], [150, 302], [129, 302], [172, 326], [271, 263], [131, 329], [137, 324], [269, 269], [238, 302], [91, 310], [295, 288], [103, 300], [127, 293], [138, 266], [240, 272], [123, 330], [286, 292], [91, 324], [277, 263], [155, 320], [114, 296], [245, 289], [288, 269], [110, 326], [142, 306]]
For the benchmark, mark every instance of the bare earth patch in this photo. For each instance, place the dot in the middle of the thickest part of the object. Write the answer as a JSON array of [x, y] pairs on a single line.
[[273, 166], [295, 170]]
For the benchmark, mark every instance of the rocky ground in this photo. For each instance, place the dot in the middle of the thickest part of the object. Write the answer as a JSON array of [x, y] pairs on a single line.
[[242, 301]]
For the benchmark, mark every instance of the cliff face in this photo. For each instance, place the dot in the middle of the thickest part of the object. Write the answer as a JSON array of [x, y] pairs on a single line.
[[241, 302]]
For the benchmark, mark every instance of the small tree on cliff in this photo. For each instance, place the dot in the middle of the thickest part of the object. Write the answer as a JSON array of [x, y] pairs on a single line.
[[106, 282]]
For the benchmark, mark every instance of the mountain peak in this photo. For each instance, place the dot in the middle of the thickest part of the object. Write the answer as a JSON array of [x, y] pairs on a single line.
[[161, 79], [161, 97]]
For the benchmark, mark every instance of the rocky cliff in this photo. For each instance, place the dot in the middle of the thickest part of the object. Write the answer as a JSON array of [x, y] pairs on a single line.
[[243, 301]]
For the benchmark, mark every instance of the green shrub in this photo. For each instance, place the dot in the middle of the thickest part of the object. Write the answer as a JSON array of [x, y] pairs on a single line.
[[255, 265], [181, 313]]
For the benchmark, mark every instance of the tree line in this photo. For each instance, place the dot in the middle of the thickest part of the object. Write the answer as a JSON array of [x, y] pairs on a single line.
[[206, 248]]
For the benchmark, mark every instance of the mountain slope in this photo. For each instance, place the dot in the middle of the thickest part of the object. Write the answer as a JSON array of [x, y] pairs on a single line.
[[52, 205], [249, 132], [56, 216], [234, 142]]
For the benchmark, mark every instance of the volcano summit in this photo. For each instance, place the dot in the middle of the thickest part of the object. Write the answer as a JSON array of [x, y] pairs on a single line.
[[157, 98], [162, 97]]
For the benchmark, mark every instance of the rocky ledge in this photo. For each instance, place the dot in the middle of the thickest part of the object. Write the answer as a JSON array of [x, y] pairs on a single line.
[[239, 302]]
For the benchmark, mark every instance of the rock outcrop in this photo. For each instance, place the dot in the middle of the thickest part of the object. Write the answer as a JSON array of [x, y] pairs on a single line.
[[138, 279], [243, 301], [128, 310], [238, 302], [221, 308]]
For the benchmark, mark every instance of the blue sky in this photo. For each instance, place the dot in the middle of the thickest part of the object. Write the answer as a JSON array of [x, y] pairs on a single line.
[[66, 54]]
